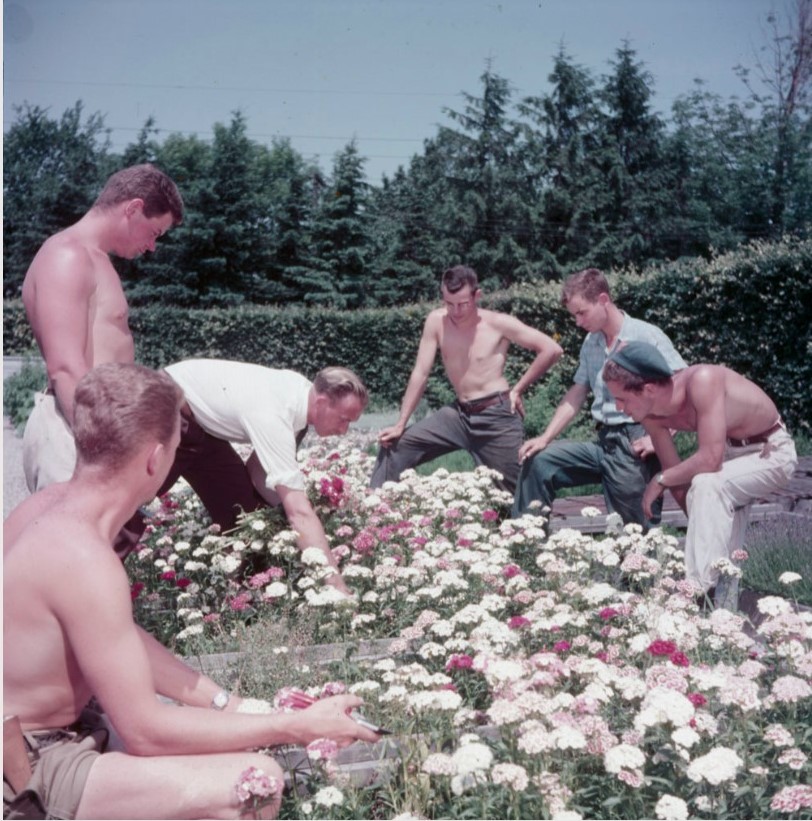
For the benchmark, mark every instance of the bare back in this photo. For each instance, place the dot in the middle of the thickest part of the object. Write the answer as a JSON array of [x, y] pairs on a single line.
[[474, 354], [45, 544], [704, 389]]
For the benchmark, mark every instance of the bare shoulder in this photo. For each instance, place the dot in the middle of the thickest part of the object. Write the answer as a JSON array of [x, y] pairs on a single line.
[[64, 257], [704, 377], [434, 321]]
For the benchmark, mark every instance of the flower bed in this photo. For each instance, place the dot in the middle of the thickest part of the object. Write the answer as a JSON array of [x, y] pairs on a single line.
[[608, 691]]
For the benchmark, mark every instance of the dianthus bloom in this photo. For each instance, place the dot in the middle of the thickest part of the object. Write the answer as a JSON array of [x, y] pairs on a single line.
[[662, 647], [671, 808], [322, 749], [791, 688], [792, 799], [623, 757], [439, 764], [254, 783], [513, 776], [717, 766], [329, 797]]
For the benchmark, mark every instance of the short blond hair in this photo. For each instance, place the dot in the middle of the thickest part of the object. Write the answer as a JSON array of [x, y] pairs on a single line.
[[336, 383], [117, 407]]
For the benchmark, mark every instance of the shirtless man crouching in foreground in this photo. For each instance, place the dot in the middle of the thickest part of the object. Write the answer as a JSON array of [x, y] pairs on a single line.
[[744, 451], [486, 419], [69, 634]]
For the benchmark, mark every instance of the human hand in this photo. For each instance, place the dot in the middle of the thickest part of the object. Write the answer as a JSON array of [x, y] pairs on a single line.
[[516, 403], [336, 580], [652, 492], [531, 446], [330, 718], [388, 436], [643, 447]]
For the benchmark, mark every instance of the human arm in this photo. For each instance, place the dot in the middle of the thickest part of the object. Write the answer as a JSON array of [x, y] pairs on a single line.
[[426, 353], [60, 316], [116, 664], [566, 411], [705, 393], [548, 352], [176, 680], [303, 519]]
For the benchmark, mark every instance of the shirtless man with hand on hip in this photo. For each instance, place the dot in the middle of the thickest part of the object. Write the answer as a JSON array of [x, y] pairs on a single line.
[[486, 419]]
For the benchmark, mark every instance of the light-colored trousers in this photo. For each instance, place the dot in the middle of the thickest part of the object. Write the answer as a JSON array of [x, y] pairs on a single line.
[[719, 503], [49, 452]]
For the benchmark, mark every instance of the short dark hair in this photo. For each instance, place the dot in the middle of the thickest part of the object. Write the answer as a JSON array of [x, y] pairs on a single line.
[[116, 407], [456, 278], [147, 183], [589, 284]]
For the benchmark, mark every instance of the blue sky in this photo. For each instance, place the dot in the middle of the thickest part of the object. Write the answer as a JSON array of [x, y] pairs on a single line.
[[324, 71]]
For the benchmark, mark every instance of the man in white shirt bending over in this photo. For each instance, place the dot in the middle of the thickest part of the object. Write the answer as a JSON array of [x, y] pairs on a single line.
[[270, 410]]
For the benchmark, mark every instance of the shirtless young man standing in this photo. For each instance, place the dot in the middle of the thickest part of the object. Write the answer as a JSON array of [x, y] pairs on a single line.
[[77, 309], [744, 451], [486, 419], [69, 634]]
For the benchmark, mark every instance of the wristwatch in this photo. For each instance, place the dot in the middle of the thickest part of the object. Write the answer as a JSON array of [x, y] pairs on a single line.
[[220, 700]]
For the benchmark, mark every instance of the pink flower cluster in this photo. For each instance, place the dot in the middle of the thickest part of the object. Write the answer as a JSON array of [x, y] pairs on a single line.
[[254, 783]]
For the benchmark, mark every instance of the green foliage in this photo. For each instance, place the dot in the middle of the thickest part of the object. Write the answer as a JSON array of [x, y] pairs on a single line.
[[776, 546], [747, 310], [19, 390], [523, 191]]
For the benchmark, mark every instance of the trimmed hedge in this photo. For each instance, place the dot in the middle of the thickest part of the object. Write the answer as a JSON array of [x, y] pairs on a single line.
[[749, 309]]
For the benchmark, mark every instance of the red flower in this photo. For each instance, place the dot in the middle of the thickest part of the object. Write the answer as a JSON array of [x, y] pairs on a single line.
[[459, 661], [608, 613], [136, 589], [561, 646], [511, 570], [517, 622], [697, 699], [182, 582], [680, 659], [168, 575], [662, 647]]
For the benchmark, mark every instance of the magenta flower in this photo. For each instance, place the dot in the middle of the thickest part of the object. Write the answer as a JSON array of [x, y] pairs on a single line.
[[562, 646], [680, 659], [662, 647], [459, 661], [608, 613], [489, 515], [517, 622]]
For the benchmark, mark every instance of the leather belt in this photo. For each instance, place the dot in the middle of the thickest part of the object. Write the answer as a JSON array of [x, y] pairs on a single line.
[[755, 440], [479, 405]]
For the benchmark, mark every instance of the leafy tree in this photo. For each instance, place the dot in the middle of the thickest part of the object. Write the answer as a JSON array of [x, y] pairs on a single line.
[[630, 160], [52, 172], [341, 237], [561, 138], [491, 185]]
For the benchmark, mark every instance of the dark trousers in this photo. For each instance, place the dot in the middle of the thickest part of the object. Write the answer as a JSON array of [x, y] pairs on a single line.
[[492, 436], [216, 473], [610, 461]]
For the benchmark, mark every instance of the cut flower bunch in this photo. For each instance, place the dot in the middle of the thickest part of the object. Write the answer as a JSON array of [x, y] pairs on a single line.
[[525, 677]]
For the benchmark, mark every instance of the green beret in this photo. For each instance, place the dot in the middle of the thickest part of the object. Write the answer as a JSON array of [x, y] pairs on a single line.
[[642, 359]]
